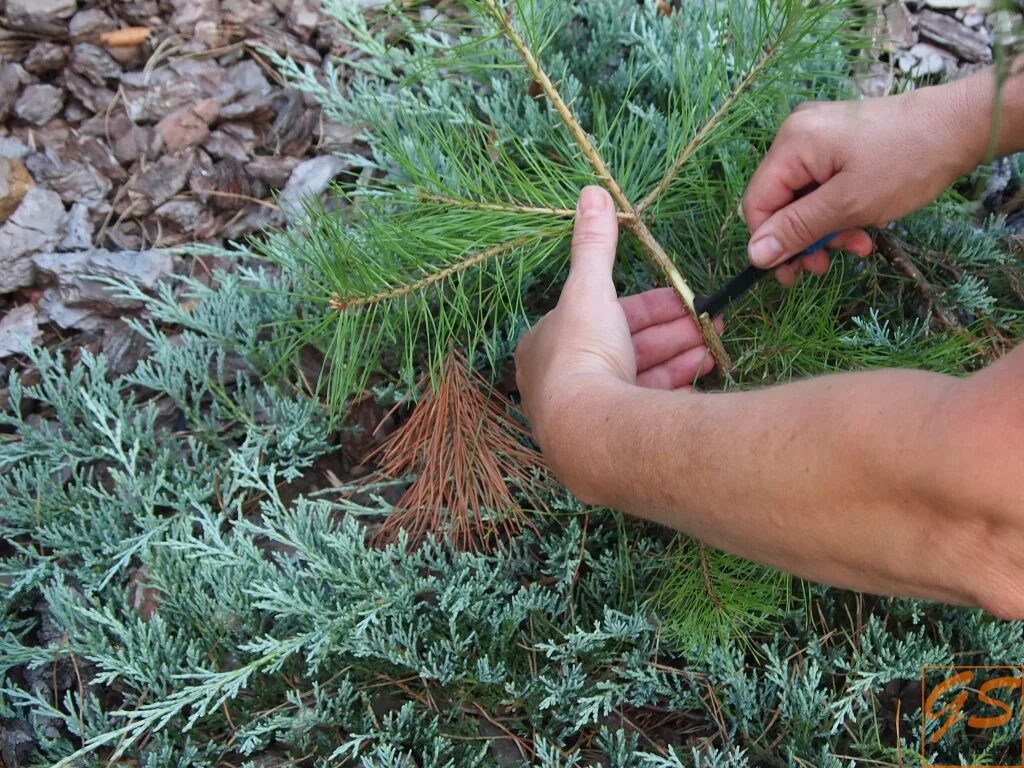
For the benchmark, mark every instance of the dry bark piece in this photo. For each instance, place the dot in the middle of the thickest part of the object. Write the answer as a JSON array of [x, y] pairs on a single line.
[[135, 142], [158, 183], [45, 57], [900, 27], [15, 182], [89, 24], [153, 100], [46, 17], [309, 178], [226, 186], [209, 76], [183, 215], [74, 181], [77, 229], [19, 330], [273, 170], [927, 59], [53, 310], [74, 276], [303, 18], [13, 148], [293, 127], [143, 599], [11, 78], [94, 64], [39, 104], [188, 13], [94, 97], [284, 44], [188, 125], [220, 144], [95, 152], [36, 225]]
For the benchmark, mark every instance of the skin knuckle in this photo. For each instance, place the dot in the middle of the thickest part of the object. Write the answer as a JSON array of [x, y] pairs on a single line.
[[796, 227], [588, 238]]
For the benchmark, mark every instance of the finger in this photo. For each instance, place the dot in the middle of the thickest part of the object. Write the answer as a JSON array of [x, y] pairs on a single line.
[[855, 241], [776, 182], [594, 236], [659, 343], [661, 305], [800, 223], [682, 370], [787, 274], [816, 263]]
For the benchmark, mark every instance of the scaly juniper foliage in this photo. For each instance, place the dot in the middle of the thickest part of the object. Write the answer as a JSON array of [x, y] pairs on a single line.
[[174, 597], [175, 594]]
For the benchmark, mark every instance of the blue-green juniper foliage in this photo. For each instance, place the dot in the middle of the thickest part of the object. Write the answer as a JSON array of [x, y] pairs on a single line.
[[176, 592]]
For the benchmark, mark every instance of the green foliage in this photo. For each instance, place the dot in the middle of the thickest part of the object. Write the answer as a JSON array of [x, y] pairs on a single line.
[[180, 591], [473, 178]]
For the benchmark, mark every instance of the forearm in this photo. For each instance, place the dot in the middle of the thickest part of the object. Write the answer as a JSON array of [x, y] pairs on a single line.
[[855, 480], [985, 116]]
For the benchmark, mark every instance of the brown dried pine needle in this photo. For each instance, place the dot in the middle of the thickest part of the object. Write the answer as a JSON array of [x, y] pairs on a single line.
[[471, 465]]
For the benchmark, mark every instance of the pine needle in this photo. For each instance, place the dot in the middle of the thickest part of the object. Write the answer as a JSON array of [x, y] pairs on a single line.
[[470, 462]]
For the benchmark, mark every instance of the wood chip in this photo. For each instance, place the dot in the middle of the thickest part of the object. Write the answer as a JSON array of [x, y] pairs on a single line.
[[128, 37]]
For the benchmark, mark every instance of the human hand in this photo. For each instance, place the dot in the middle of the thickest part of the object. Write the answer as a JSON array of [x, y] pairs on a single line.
[[865, 163], [648, 340]]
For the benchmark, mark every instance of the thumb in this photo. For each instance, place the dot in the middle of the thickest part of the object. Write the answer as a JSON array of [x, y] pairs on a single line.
[[803, 222], [594, 236]]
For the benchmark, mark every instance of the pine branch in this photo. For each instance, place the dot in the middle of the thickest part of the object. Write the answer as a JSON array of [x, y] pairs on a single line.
[[341, 303], [564, 213], [708, 127], [579, 135], [637, 227]]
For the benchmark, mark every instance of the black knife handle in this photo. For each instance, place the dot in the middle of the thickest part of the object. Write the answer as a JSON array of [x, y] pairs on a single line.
[[728, 293], [745, 280]]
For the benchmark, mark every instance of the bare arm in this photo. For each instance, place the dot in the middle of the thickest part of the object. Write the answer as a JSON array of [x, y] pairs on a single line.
[[897, 482], [894, 482]]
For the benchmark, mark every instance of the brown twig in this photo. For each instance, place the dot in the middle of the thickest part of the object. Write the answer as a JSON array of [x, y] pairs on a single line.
[[890, 249]]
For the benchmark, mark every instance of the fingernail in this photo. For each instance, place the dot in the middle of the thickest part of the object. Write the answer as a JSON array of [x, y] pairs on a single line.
[[592, 202], [764, 251]]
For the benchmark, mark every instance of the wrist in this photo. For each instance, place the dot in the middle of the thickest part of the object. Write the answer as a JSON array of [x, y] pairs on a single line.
[[577, 434], [956, 114]]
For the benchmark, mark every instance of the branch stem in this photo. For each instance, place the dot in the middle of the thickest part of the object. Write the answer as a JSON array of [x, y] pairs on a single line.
[[706, 129], [655, 252], [340, 303], [542, 79], [563, 213]]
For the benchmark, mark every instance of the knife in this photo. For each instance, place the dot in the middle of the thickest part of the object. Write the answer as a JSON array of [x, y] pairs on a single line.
[[717, 302]]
